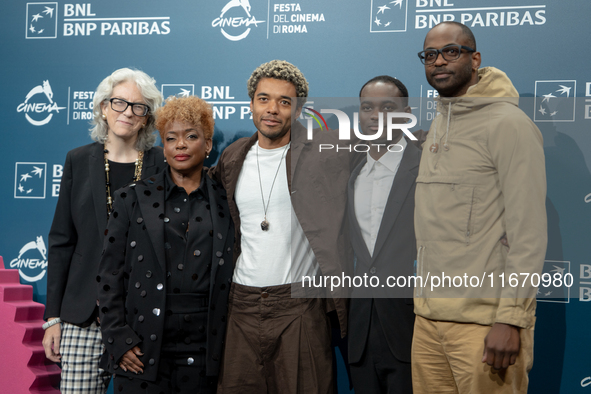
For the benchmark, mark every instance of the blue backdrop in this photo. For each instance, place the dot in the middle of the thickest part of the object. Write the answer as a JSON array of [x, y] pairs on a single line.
[[54, 54]]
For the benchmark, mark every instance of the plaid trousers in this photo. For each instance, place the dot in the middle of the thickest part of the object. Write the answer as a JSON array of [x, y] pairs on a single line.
[[81, 350]]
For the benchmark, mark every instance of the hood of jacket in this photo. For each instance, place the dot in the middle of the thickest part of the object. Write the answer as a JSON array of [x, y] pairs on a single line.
[[493, 86]]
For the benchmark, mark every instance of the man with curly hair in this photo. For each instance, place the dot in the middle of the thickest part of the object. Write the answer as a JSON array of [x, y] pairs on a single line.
[[288, 216]]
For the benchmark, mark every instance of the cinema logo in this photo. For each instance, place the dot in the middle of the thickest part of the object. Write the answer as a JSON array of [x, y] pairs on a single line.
[[31, 261], [235, 20], [393, 122], [39, 106]]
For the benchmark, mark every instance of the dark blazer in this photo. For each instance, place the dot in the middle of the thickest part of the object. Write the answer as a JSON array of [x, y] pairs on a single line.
[[77, 232], [132, 276], [394, 254], [317, 183]]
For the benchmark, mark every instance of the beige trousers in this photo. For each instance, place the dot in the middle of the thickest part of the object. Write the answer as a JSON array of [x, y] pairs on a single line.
[[446, 358]]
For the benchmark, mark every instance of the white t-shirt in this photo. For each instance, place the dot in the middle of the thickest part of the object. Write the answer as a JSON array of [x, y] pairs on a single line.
[[266, 258]]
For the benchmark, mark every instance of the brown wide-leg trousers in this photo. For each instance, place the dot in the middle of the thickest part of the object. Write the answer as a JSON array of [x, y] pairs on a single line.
[[275, 343]]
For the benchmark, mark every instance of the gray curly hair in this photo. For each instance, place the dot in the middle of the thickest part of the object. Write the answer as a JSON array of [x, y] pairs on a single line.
[[152, 97], [279, 69]]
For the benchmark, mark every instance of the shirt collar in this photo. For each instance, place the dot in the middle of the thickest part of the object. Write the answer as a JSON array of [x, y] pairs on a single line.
[[171, 189], [391, 160]]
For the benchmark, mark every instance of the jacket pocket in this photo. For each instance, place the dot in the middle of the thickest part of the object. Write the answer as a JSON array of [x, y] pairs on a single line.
[[445, 211]]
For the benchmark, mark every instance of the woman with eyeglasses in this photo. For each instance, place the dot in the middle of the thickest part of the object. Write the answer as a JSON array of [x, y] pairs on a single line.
[[123, 128]]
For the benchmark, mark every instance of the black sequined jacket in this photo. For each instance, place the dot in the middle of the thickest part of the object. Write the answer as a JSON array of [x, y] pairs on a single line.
[[132, 276]]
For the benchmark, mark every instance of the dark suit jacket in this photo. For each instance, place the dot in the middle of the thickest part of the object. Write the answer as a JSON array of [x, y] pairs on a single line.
[[133, 247], [317, 183], [77, 232], [394, 254]]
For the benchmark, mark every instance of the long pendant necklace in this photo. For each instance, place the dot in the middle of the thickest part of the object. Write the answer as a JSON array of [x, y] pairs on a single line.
[[265, 222], [137, 175]]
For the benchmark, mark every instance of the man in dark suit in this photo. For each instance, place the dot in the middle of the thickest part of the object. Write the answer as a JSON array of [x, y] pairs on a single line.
[[381, 213]]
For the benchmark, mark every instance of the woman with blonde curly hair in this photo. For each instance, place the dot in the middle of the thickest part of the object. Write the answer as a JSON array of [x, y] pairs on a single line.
[[123, 128], [167, 266]]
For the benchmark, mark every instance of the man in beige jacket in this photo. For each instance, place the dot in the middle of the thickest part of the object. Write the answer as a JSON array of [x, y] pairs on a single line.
[[481, 178]]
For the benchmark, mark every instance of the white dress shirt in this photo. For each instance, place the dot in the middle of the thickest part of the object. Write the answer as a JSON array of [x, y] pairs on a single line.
[[372, 188]]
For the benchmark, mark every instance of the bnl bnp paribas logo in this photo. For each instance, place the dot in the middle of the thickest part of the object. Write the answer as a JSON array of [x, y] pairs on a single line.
[[30, 180], [555, 101], [32, 260], [388, 16], [39, 105], [236, 20], [41, 20]]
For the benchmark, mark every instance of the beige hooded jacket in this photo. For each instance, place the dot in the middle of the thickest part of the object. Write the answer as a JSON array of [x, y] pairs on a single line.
[[487, 179]]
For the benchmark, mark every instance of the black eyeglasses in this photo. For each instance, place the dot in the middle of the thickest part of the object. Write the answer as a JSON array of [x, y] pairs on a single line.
[[121, 105], [449, 53]]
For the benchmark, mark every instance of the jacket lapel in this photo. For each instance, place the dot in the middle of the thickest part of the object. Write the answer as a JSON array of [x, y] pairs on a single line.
[[235, 166], [96, 174], [149, 162], [150, 192], [220, 219], [402, 184]]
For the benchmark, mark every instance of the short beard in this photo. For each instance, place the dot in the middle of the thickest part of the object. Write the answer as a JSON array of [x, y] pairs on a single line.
[[462, 79]]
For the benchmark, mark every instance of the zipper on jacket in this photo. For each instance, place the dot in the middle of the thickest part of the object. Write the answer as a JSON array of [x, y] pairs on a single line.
[[469, 219], [419, 272]]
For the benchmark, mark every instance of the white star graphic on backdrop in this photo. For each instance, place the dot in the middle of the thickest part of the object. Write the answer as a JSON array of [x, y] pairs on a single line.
[[48, 11], [548, 293], [547, 97], [24, 177], [38, 171], [565, 89], [558, 270], [397, 2], [29, 191], [377, 22], [387, 24], [542, 110], [21, 188], [40, 31], [382, 9], [184, 93], [32, 28], [553, 113], [36, 17]]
